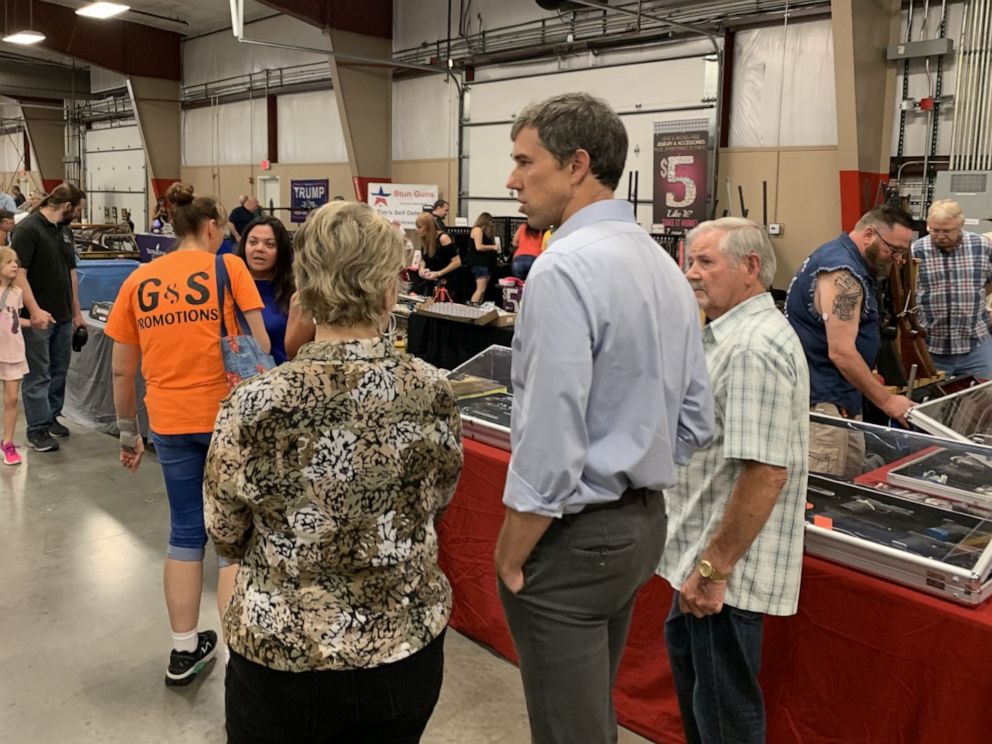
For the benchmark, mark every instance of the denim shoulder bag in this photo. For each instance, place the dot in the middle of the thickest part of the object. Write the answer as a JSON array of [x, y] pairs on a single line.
[[243, 357]]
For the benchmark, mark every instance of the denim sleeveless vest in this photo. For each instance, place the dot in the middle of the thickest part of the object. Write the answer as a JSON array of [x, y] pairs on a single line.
[[826, 383]]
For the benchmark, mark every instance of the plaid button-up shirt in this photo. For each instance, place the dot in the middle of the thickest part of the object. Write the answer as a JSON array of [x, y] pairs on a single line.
[[950, 292], [761, 388]]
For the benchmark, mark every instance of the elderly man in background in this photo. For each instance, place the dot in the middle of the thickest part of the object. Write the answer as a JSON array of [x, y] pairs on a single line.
[[952, 289], [37, 196], [241, 216], [735, 519]]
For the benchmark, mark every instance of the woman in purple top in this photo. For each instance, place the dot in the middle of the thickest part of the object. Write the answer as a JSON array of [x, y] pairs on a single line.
[[267, 249]]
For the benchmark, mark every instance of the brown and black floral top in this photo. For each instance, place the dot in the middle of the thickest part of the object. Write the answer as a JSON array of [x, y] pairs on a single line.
[[325, 478]]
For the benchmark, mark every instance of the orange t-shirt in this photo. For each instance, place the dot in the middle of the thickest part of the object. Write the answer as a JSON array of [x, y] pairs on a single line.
[[526, 245], [169, 308]]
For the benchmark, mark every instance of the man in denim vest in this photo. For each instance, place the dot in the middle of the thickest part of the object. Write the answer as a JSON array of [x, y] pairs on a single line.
[[833, 306]]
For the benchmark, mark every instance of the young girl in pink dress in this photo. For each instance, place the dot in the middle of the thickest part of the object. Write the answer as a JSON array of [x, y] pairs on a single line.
[[13, 361]]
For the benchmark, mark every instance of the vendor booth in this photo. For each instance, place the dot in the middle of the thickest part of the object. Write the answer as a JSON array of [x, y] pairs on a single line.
[[866, 659]]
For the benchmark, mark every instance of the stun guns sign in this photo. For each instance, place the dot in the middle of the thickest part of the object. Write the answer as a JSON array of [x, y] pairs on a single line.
[[681, 161], [402, 202], [306, 196]]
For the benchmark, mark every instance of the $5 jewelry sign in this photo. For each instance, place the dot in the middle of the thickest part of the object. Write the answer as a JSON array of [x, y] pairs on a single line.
[[680, 177]]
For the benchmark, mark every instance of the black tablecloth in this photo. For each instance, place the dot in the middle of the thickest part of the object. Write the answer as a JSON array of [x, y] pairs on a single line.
[[448, 343]]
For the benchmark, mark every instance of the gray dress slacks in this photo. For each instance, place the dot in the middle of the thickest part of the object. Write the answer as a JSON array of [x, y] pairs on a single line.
[[569, 622]]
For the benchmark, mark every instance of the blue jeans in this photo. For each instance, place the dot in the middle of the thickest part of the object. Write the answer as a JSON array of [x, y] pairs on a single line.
[[715, 663], [521, 266], [43, 390], [977, 362], [182, 457]]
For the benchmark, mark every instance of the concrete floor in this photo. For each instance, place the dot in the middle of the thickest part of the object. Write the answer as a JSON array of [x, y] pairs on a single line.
[[84, 637]]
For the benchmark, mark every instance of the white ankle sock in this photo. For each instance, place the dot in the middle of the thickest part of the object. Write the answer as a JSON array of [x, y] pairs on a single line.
[[185, 641]]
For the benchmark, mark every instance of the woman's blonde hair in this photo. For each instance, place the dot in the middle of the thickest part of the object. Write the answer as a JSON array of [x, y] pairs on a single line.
[[347, 257], [7, 253]]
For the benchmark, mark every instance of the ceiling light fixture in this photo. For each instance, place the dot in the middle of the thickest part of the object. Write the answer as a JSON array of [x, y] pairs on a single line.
[[24, 36], [102, 10]]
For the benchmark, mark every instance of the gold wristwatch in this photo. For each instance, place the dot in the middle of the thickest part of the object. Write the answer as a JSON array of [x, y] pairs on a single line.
[[708, 572]]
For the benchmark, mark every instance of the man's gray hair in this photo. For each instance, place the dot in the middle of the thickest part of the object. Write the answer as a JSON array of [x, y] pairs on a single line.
[[740, 239], [574, 121]]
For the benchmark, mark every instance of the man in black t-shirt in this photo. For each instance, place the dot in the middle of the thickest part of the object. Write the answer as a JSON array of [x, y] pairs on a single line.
[[440, 212], [242, 216], [47, 277]]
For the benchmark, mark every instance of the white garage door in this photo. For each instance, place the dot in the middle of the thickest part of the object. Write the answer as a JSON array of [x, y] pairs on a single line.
[[115, 175], [642, 93]]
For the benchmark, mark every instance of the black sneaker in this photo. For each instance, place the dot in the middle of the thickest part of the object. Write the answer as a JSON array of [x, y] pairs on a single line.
[[57, 430], [185, 665], [42, 441]]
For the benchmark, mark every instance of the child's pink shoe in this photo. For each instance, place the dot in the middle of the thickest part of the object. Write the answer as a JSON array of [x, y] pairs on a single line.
[[10, 456]]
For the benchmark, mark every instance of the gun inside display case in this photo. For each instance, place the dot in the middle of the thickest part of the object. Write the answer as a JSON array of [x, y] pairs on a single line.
[[484, 393], [893, 521]]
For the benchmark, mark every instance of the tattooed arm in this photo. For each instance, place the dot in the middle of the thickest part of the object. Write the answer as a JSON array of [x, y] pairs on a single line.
[[838, 299]]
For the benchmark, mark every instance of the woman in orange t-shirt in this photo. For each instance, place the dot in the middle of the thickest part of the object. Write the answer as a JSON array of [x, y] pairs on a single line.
[[527, 247], [167, 316]]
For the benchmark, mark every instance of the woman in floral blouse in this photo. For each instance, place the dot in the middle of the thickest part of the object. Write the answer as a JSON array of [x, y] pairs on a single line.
[[325, 479]]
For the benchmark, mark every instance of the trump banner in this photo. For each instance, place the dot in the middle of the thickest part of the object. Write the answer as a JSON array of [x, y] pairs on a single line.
[[306, 196], [401, 202], [681, 173]]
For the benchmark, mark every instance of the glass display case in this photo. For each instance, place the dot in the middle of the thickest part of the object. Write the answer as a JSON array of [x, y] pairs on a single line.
[[485, 396], [965, 415], [919, 514]]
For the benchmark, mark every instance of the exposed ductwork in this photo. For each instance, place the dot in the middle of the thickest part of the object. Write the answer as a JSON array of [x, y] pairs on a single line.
[[596, 24]]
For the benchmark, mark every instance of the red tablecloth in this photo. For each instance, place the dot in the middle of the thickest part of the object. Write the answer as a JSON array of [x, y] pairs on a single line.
[[863, 661]]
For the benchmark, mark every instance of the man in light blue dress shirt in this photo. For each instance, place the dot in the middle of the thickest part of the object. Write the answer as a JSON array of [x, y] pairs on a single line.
[[610, 394]]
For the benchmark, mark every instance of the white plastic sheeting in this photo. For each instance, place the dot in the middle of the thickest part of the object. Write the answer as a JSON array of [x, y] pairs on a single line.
[[425, 119], [310, 129], [218, 56], [228, 134], [783, 86]]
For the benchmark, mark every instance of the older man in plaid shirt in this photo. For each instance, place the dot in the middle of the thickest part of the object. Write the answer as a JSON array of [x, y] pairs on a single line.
[[735, 519], [954, 281]]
